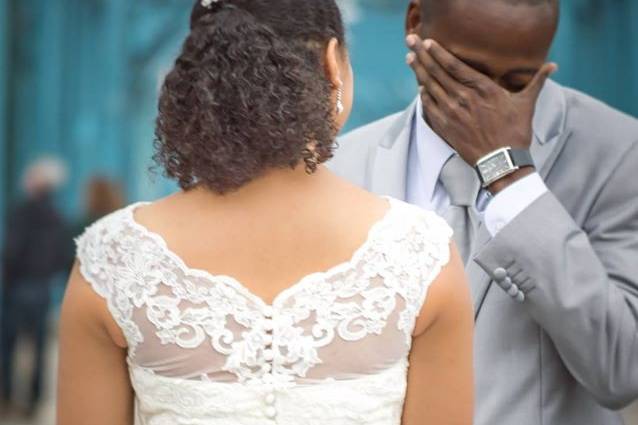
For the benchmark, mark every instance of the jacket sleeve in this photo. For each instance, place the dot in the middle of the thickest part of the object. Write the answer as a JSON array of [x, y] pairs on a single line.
[[581, 282]]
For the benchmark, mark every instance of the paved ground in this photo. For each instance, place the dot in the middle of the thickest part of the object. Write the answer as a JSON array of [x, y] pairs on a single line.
[[46, 415], [631, 416]]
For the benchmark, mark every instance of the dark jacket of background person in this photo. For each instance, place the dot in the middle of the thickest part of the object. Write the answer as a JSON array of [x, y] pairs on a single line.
[[36, 248], [37, 243]]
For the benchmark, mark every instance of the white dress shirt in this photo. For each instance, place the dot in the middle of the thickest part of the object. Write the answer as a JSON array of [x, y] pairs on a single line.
[[428, 154]]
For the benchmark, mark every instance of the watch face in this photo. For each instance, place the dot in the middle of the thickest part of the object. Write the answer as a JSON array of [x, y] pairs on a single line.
[[495, 166]]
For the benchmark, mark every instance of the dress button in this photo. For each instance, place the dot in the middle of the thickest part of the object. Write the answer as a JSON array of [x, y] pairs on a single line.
[[270, 412], [268, 339], [267, 367], [268, 378], [268, 325], [270, 399], [268, 311], [513, 291], [500, 274], [269, 355]]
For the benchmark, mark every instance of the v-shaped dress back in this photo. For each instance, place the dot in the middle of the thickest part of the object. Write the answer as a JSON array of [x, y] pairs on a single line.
[[331, 349]]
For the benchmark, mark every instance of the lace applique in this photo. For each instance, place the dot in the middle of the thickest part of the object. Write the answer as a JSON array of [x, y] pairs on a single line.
[[135, 271], [100, 254]]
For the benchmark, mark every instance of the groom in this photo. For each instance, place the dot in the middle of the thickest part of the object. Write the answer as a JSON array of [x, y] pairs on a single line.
[[549, 228]]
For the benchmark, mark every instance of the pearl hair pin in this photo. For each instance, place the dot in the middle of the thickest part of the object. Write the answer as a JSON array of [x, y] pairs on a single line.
[[208, 3]]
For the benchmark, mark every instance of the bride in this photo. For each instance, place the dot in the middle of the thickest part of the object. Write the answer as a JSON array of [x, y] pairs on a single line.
[[267, 291]]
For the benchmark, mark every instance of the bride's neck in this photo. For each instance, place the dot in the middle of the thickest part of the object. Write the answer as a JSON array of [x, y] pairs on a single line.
[[276, 183]]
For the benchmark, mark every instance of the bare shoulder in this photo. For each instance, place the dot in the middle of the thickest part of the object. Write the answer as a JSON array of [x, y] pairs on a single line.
[[84, 307], [448, 301], [440, 377], [160, 211], [358, 203]]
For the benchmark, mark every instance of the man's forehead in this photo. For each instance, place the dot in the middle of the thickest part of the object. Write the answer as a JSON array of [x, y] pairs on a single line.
[[499, 39], [498, 8], [493, 24]]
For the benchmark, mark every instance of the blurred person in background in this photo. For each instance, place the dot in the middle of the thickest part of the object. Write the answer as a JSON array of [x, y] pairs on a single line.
[[101, 197], [35, 248], [548, 228]]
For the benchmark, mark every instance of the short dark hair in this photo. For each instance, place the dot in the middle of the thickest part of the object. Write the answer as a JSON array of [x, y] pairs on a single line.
[[248, 93]]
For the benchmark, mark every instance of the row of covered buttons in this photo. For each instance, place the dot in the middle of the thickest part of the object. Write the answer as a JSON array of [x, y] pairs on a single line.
[[504, 281], [270, 411], [268, 327]]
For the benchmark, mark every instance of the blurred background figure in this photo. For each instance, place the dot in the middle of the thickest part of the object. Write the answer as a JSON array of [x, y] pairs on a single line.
[[102, 196], [36, 247], [80, 78]]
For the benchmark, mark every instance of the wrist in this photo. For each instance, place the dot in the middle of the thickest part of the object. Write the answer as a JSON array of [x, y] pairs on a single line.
[[501, 184]]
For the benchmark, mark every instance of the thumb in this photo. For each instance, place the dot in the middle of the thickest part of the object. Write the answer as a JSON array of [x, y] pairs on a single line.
[[535, 86]]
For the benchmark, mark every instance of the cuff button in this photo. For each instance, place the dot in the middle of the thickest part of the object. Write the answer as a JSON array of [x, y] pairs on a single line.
[[500, 274], [506, 283]]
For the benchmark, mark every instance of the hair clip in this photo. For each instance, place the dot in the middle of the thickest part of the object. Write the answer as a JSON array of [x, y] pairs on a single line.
[[209, 3]]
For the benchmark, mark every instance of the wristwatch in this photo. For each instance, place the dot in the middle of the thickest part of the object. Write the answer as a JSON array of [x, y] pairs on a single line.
[[502, 162]]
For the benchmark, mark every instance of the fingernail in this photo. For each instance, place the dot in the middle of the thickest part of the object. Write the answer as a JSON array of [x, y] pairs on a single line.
[[410, 40], [427, 43], [409, 58]]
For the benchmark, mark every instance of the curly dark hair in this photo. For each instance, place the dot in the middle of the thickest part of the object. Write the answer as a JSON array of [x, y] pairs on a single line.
[[248, 93]]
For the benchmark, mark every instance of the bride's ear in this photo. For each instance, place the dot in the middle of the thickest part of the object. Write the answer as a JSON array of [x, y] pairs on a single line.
[[332, 61]]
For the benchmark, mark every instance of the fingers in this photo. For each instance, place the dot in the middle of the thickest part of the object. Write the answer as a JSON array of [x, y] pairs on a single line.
[[535, 86], [422, 76], [455, 67], [446, 102], [437, 93], [426, 68], [426, 80], [450, 96], [432, 112]]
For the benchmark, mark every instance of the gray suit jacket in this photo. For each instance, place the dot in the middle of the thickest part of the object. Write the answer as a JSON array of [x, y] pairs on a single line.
[[569, 353]]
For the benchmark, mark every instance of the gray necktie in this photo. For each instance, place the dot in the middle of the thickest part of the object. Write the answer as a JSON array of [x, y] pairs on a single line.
[[462, 185]]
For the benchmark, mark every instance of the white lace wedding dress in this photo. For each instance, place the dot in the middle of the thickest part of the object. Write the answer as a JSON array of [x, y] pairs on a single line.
[[331, 350]]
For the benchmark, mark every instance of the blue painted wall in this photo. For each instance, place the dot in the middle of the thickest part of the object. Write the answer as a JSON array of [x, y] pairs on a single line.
[[79, 78], [4, 37], [597, 50], [80, 82]]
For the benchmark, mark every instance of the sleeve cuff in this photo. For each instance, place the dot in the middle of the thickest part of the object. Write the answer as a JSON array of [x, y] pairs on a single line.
[[510, 202]]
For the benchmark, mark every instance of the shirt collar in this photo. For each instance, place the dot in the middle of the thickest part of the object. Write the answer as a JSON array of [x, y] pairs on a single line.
[[432, 151]]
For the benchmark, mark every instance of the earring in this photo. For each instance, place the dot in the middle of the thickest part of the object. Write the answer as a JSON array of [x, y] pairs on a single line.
[[340, 107]]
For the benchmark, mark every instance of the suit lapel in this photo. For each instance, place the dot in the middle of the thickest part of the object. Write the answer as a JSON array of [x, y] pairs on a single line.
[[550, 132], [480, 281], [389, 164], [549, 138]]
